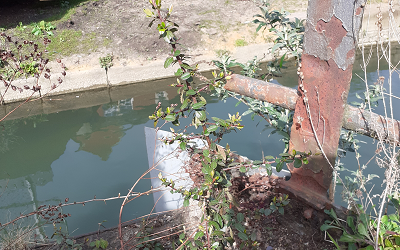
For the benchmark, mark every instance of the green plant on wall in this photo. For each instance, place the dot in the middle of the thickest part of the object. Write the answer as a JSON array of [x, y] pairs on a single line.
[[106, 63]]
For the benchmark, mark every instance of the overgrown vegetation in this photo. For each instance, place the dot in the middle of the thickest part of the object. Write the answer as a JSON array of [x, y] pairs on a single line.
[[222, 224]]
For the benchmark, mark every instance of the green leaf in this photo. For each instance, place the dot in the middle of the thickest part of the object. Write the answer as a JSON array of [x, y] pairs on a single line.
[[348, 238], [217, 233], [170, 118], [212, 128], [247, 112], [148, 12], [186, 202], [182, 236], [103, 244], [239, 227], [350, 222], [186, 66], [268, 168], [177, 52], [191, 91], [168, 36], [182, 145], [362, 230], [242, 236], [185, 104], [279, 166], [334, 242], [168, 62], [352, 246], [208, 179], [253, 236], [333, 214], [281, 61], [297, 163], [69, 242], [199, 243], [214, 224], [242, 169], [240, 217], [201, 115], [185, 76], [325, 227], [179, 72], [198, 105]]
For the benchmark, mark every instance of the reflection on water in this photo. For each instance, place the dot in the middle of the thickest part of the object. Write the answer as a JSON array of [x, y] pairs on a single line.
[[99, 149]]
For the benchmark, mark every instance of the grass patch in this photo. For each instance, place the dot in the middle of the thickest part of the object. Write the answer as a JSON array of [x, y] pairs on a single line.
[[222, 52], [240, 43], [206, 24], [65, 43], [208, 12], [106, 42], [70, 42]]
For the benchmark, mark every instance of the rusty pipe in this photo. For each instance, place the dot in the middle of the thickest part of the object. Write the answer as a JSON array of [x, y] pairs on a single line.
[[355, 119]]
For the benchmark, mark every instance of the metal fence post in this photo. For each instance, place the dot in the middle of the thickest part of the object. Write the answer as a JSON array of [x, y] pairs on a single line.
[[330, 40]]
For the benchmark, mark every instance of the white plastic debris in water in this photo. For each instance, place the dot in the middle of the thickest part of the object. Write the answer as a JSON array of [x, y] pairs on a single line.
[[169, 161]]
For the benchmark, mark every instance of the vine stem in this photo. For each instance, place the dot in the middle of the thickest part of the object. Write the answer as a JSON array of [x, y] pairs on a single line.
[[180, 62]]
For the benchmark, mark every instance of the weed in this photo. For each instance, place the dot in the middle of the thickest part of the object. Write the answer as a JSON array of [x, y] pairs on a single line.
[[145, 240], [99, 244], [16, 236], [64, 4], [277, 204], [106, 63], [240, 43], [356, 228], [222, 52], [208, 12], [21, 27], [106, 42], [68, 42], [63, 241], [42, 28]]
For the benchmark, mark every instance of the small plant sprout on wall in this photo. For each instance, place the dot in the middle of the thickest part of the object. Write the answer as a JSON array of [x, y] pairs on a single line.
[[106, 63]]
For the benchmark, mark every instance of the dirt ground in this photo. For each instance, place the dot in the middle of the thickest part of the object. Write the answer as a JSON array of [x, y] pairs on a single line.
[[121, 28]]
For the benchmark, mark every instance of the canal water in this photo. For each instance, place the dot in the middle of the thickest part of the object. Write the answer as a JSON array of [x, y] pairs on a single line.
[[93, 144]]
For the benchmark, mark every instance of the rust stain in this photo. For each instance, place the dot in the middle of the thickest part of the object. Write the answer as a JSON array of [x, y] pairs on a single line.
[[350, 54], [261, 90], [358, 11], [355, 119], [334, 32], [320, 27], [325, 84]]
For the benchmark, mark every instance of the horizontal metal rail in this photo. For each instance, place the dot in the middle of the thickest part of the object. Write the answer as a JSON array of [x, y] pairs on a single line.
[[355, 119]]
